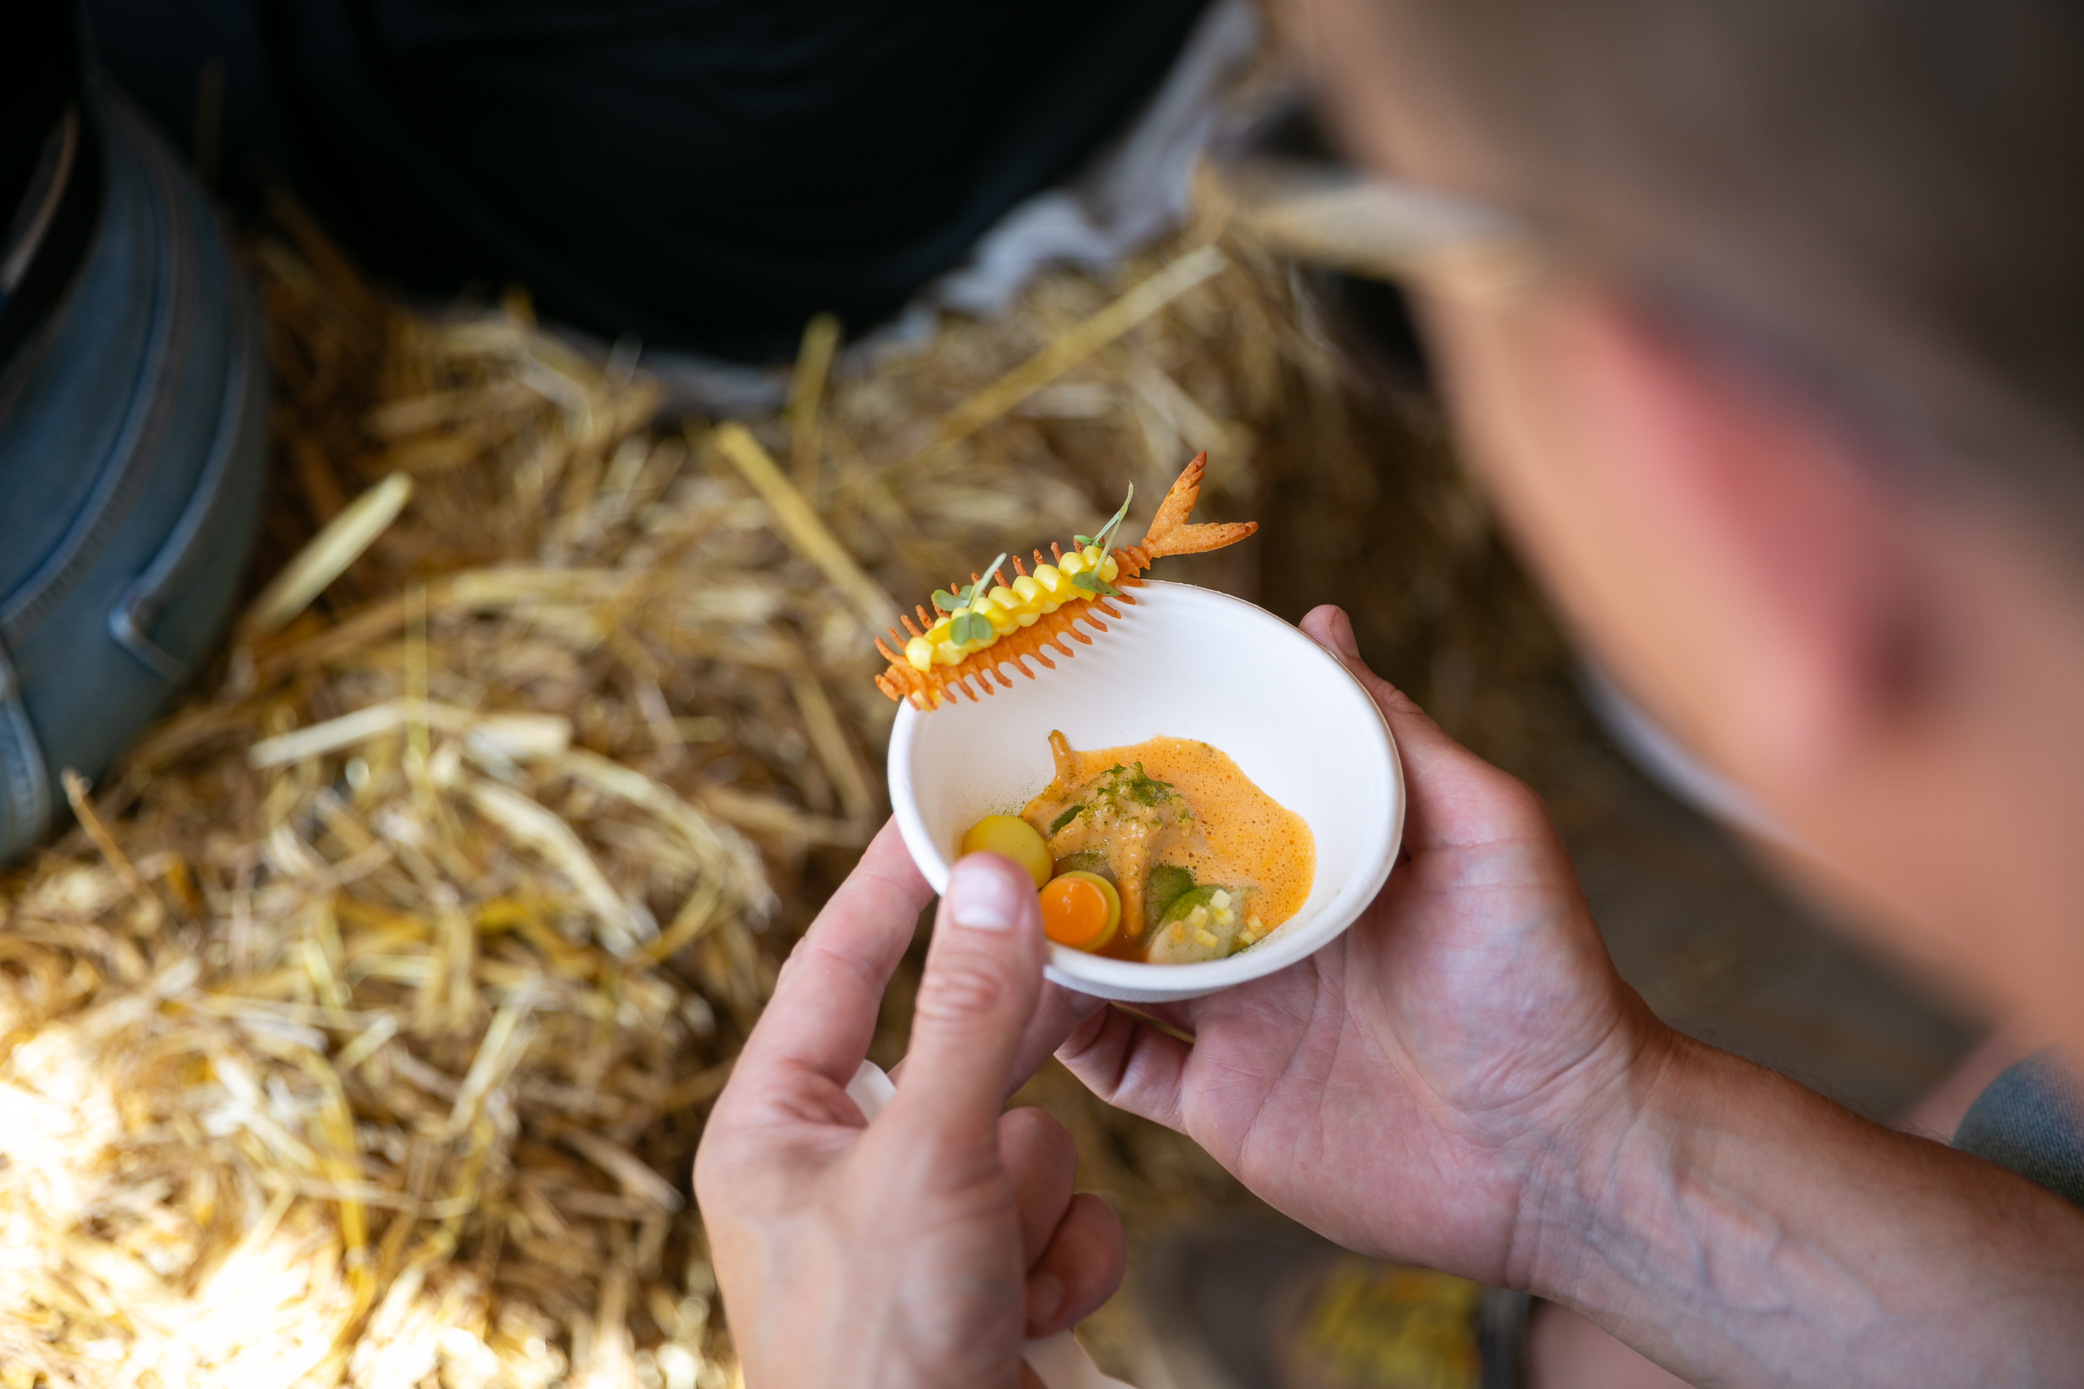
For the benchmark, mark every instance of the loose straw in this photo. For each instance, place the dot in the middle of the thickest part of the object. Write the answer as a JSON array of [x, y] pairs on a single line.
[[806, 396], [804, 530], [76, 789], [518, 737], [327, 556], [850, 776], [624, 926], [1075, 346]]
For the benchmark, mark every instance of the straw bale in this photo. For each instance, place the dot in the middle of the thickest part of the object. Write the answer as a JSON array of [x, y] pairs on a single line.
[[362, 1031]]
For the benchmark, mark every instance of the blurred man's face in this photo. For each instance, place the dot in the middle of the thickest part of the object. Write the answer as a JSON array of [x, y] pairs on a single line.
[[1894, 674], [1570, 416]]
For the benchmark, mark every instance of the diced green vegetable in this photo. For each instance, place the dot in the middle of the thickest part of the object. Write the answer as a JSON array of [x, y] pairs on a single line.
[[1163, 887], [1086, 861], [1183, 905]]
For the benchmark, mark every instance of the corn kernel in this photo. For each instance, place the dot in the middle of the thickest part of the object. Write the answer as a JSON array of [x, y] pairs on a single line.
[[1219, 898], [1050, 578], [1002, 619], [1028, 617], [1110, 568], [1206, 938], [1005, 598], [1029, 589], [947, 653], [1074, 563], [1091, 555], [919, 653]]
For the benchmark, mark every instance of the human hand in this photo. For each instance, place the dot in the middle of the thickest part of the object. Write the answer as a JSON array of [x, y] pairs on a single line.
[[1404, 1090], [917, 1251]]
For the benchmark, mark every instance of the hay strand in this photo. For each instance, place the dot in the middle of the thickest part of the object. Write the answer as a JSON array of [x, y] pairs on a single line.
[[344, 1044]]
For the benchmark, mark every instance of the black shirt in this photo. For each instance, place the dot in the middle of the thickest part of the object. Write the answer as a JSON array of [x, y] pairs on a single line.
[[39, 78], [704, 174]]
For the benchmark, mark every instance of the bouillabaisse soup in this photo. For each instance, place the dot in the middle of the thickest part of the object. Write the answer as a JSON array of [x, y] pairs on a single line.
[[1203, 863]]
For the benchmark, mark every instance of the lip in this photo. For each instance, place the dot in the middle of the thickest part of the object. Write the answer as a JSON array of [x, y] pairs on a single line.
[[1191, 663]]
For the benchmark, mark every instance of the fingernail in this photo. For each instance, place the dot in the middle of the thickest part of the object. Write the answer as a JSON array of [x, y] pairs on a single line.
[[1342, 638], [984, 898], [1045, 1296]]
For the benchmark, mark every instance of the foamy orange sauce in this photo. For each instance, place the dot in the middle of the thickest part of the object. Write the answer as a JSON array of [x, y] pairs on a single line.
[[1251, 840]]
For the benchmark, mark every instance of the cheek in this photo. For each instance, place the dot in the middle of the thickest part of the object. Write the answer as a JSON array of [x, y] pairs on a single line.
[[1582, 522]]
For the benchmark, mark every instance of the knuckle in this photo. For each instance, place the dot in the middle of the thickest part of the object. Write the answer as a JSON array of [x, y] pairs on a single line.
[[1080, 1052], [1094, 1227], [1395, 699], [1518, 797], [1041, 1130]]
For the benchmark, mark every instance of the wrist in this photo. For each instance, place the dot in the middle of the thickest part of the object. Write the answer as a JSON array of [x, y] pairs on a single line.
[[1602, 1143]]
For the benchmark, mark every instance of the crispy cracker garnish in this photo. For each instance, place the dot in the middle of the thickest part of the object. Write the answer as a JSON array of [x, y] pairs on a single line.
[[1169, 534]]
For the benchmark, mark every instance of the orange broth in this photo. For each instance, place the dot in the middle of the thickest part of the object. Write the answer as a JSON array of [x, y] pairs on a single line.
[[1234, 833]]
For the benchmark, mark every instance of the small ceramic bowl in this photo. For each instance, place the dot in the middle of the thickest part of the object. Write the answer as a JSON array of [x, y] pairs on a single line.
[[1191, 663]]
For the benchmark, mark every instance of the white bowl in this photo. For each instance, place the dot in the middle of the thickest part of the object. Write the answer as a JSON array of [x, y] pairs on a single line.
[[1191, 663]]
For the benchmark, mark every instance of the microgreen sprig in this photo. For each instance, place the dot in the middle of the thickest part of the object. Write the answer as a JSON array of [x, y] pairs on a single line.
[[1108, 529], [984, 584], [968, 625], [1090, 582], [1118, 517], [961, 599]]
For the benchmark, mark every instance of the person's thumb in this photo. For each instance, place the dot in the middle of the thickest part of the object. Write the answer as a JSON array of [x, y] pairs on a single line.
[[983, 977]]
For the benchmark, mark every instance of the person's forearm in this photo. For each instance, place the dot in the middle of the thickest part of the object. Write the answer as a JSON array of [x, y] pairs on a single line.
[[1742, 1230]]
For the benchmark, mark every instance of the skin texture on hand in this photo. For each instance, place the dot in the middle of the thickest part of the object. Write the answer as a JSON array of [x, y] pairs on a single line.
[[1461, 1081], [919, 1251], [1398, 1090]]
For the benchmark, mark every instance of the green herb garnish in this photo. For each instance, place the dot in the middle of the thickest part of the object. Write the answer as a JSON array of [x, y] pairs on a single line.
[[1145, 789], [1138, 786], [968, 626], [1101, 539], [1119, 517], [1064, 819]]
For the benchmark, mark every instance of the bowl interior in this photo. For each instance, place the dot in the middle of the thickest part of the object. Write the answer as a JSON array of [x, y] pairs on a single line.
[[1191, 663]]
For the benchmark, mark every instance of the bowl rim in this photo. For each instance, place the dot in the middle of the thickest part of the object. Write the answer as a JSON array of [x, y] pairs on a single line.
[[1281, 949]]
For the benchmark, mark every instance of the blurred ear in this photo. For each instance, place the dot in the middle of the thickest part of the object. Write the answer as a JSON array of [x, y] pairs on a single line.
[[1775, 524]]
